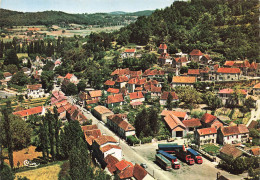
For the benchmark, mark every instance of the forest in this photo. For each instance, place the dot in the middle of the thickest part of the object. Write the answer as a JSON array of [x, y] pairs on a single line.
[[48, 18], [226, 28]]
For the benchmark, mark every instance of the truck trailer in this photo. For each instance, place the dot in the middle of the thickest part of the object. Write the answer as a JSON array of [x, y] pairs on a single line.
[[181, 154], [163, 162], [195, 155], [170, 148], [173, 159]]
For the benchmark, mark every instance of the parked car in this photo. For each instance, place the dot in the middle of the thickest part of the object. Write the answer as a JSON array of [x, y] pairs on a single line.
[[143, 165]]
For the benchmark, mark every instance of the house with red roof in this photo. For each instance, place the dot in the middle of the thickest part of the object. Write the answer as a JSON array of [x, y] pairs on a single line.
[[183, 81], [233, 134], [121, 81], [208, 120], [226, 94], [205, 136], [112, 91], [165, 95], [228, 74], [165, 59], [128, 53], [229, 151], [109, 84], [119, 124], [39, 110], [136, 97], [72, 78], [195, 55], [8, 76], [194, 72], [134, 83], [254, 69], [206, 59], [256, 89], [162, 48], [153, 74], [35, 91], [95, 94], [115, 100], [174, 124], [192, 124], [101, 113], [178, 62]]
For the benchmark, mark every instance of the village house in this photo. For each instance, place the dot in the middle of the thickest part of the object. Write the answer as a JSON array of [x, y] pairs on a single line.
[[129, 53], [233, 134], [178, 62], [39, 110], [136, 97], [192, 124], [8, 76], [57, 96], [206, 59], [226, 94], [35, 91], [57, 63], [255, 151], [121, 81], [152, 90], [183, 81], [91, 132], [26, 71], [112, 91], [180, 114], [135, 83], [205, 136], [195, 55], [109, 84], [72, 78], [162, 48], [204, 73], [194, 72], [208, 120], [165, 96], [228, 74], [118, 123], [256, 89], [154, 75], [242, 65], [164, 59], [83, 97], [101, 112], [229, 152], [176, 127], [96, 94], [254, 70], [114, 100], [120, 72], [213, 72]]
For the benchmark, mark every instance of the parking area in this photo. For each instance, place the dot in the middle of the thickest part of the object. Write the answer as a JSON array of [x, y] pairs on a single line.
[[207, 170]]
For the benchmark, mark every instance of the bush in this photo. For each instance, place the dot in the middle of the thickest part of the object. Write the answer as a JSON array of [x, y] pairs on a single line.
[[146, 139], [162, 137], [131, 140]]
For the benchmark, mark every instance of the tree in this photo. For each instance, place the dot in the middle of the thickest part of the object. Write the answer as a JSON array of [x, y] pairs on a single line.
[[193, 65], [19, 79], [44, 140], [7, 130], [153, 120], [57, 127], [71, 89], [11, 68], [188, 95], [184, 69], [50, 119], [141, 122], [47, 80], [6, 173], [11, 57], [20, 132], [81, 85], [212, 100], [250, 102], [169, 104]]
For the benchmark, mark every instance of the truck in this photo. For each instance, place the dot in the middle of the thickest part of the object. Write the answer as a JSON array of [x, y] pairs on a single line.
[[173, 159], [195, 155], [163, 162], [170, 147], [183, 155]]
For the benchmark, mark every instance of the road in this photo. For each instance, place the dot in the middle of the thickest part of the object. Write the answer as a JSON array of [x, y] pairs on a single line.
[[128, 153], [255, 113]]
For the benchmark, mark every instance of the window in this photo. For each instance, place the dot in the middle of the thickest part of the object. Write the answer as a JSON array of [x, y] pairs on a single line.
[[228, 137], [237, 136]]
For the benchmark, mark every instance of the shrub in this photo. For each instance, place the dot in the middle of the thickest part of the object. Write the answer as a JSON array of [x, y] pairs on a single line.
[[131, 140], [146, 139], [162, 137]]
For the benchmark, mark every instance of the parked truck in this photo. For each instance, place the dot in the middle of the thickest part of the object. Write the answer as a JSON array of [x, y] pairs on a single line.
[[170, 147], [163, 162], [181, 154], [195, 155], [173, 159]]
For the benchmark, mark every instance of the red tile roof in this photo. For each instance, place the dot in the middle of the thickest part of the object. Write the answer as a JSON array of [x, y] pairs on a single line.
[[96, 93], [231, 151], [164, 56], [179, 114], [253, 65], [89, 127], [229, 70], [183, 79], [207, 56], [139, 172], [119, 120], [123, 164], [115, 98], [94, 101], [135, 73], [181, 59], [105, 139], [68, 76], [165, 95], [137, 81], [113, 90], [207, 131], [193, 72], [126, 173], [230, 91], [111, 163], [120, 72], [110, 83], [192, 123], [257, 86], [136, 95], [7, 74], [102, 110], [229, 63], [28, 112], [154, 72], [196, 52], [138, 89], [255, 151], [109, 147], [205, 70], [129, 50], [208, 118], [173, 121], [122, 79], [61, 103], [34, 87], [163, 46]]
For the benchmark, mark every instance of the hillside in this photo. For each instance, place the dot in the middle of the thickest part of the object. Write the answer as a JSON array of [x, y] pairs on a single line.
[[228, 28], [14, 18]]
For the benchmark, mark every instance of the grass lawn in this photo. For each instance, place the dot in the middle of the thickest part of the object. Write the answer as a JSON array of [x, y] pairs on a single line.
[[48, 172], [211, 148], [22, 55]]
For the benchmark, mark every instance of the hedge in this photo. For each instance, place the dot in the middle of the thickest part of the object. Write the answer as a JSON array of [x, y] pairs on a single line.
[[131, 140]]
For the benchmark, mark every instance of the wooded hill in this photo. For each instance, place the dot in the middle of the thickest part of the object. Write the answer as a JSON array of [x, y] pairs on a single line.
[[14, 18], [229, 28]]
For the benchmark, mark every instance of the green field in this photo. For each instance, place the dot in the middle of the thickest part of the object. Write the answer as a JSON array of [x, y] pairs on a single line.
[[211, 148]]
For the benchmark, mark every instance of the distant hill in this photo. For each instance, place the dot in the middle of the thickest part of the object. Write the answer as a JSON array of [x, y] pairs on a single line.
[[15, 18]]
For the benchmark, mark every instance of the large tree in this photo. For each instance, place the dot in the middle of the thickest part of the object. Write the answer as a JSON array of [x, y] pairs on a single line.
[[11, 57], [19, 79]]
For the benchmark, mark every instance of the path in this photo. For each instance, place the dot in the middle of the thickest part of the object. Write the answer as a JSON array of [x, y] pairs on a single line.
[[255, 113]]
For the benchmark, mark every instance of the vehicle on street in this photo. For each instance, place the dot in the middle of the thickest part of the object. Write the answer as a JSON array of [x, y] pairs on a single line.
[[195, 155], [163, 162], [144, 165], [173, 159]]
